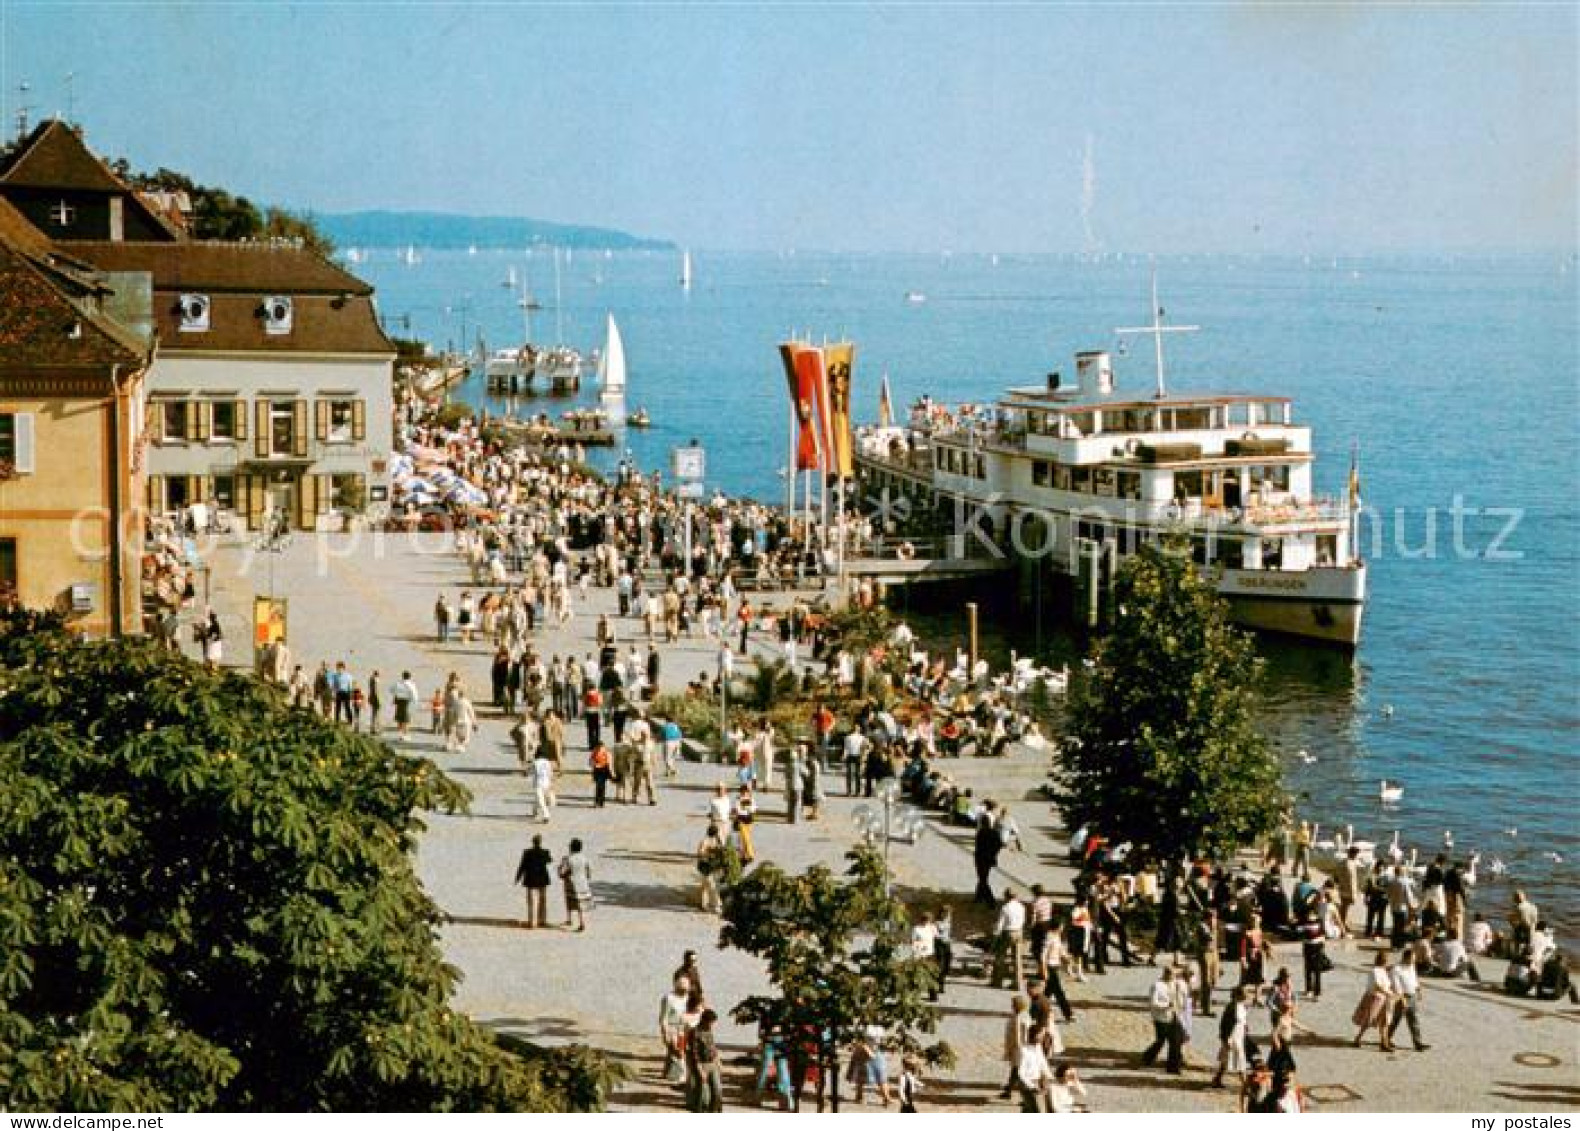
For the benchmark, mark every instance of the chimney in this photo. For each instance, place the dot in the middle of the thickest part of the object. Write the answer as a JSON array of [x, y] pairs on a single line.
[[1094, 373]]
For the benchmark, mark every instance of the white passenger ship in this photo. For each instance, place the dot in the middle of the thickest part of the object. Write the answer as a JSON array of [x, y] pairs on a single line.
[[1105, 471]]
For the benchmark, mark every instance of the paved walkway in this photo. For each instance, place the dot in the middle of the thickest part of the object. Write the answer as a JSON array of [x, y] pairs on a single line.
[[367, 600]]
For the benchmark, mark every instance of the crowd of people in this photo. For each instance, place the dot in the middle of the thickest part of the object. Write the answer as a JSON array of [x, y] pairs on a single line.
[[1224, 938]]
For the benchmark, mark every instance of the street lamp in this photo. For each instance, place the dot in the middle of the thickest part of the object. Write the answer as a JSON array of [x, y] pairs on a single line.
[[890, 819]]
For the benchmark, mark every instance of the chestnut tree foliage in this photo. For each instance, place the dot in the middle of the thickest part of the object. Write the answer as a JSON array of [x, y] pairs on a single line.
[[838, 956], [1163, 748], [207, 902]]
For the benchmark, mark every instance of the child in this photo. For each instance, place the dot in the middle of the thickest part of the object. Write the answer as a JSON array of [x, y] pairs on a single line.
[[910, 1084], [436, 710]]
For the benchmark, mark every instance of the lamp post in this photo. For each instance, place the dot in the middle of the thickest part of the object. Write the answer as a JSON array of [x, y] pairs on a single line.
[[890, 819]]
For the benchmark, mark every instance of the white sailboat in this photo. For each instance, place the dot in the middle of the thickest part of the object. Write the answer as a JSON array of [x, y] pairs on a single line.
[[611, 372], [510, 279], [685, 270]]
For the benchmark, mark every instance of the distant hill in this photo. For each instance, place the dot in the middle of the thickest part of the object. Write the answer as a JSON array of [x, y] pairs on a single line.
[[444, 230]]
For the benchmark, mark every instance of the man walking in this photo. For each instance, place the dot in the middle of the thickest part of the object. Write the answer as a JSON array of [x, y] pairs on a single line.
[[405, 695], [441, 619], [1164, 1006], [1009, 947], [1407, 995], [533, 874]]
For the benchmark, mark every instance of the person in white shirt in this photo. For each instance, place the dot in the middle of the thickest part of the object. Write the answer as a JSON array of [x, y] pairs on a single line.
[[1407, 990], [542, 786], [1068, 1093], [1479, 940], [720, 806], [405, 695], [924, 939], [1164, 1006], [1009, 941]]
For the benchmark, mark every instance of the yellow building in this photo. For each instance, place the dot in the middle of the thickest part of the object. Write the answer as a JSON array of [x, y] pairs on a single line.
[[71, 379]]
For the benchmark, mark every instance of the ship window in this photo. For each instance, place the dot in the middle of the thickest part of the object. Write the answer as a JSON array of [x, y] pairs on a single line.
[[1103, 481], [1195, 417], [1187, 484], [1039, 473], [1061, 477], [1327, 549], [1272, 553], [1231, 553], [1129, 484], [1082, 479]]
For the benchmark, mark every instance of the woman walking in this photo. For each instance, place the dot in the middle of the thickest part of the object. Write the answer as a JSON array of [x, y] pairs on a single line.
[[1375, 1006], [702, 1059], [576, 874], [1231, 1037]]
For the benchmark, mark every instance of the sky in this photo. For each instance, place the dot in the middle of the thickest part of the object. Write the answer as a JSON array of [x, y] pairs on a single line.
[[1336, 128]]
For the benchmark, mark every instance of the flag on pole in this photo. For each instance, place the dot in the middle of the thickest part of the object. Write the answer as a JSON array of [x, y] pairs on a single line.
[[838, 360], [885, 404], [801, 395], [812, 370]]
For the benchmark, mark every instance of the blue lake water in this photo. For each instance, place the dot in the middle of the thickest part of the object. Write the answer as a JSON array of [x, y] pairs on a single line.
[[1456, 377]]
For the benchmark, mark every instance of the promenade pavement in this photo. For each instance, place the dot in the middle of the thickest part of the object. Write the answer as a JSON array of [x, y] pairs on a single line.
[[367, 599]]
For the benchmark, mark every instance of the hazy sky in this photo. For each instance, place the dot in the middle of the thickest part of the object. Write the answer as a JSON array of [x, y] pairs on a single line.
[[1158, 128]]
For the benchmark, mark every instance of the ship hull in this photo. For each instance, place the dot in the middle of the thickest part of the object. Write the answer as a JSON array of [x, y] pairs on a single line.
[[1316, 604]]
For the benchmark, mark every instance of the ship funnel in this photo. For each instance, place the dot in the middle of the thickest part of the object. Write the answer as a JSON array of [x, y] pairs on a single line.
[[1094, 372]]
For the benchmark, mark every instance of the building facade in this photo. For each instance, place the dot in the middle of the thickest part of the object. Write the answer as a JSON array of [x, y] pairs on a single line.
[[71, 407], [271, 388]]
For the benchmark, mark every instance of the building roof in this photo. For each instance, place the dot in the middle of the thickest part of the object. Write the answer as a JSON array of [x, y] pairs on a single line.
[[217, 266], [19, 232], [53, 156], [320, 324], [46, 324]]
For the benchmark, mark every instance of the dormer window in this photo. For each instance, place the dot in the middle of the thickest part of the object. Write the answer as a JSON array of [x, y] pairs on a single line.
[[193, 311], [63, 214]]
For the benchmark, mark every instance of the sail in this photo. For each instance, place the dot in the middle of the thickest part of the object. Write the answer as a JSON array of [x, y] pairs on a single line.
[[685, 270], [611, 363]]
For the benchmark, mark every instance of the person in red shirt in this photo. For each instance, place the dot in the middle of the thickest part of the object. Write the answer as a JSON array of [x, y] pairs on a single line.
[[602, 766]]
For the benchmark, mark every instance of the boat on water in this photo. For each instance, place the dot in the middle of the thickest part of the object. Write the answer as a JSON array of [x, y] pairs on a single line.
[[639, 419], [915, 298], [685, 270], [1084, 473], [611, 371], [530, 367]]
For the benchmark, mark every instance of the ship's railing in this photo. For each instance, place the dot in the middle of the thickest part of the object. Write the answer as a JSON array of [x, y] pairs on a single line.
[[1320, 509]]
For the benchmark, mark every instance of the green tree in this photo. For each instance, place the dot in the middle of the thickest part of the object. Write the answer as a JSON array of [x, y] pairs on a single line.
[[1163, 746], [767, 685], [837, 951], [207, 902], [283, 224]]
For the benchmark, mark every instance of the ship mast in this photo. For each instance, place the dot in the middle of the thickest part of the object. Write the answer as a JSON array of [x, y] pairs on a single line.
[[1157, 330]]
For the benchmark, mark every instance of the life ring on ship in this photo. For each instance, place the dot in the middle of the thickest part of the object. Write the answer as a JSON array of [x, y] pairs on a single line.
[[905, 552]]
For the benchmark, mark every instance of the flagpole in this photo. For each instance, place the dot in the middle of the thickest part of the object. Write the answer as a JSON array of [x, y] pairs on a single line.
[[1355, 499], [790, 465]]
